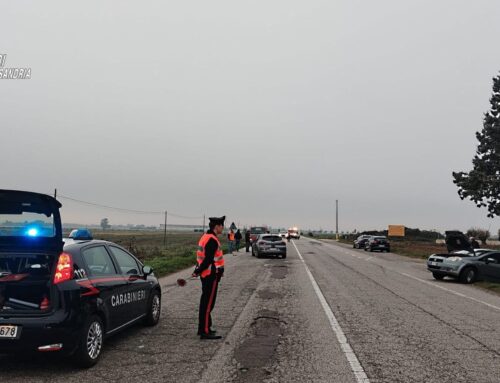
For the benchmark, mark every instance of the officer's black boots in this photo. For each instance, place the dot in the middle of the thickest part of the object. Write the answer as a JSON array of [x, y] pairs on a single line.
[[210, 336]]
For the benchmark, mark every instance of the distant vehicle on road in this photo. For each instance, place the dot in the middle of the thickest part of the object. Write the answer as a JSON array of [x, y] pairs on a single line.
[[255, 231], [294, 233], [377, 242], [466, 268], [359, 243], [269, 245], [65, 297]]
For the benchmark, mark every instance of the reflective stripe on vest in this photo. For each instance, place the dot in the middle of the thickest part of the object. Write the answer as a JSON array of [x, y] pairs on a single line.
[[200, 254], [231, 236]]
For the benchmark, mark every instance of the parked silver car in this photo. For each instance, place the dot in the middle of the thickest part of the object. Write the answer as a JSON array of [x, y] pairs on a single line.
[[467, 268], [269, 244]]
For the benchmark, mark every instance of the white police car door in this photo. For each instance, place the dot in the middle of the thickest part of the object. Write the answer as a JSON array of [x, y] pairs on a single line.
[[138, 286], [104, 275]]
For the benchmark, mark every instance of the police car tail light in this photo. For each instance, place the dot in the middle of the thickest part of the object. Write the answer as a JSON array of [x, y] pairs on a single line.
[[64, 269]]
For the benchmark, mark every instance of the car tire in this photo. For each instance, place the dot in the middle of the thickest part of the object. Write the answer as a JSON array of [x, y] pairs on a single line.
[[257, 254], [154, 309], [468, 275], [253, 252], [90, 343], [371, 250], [437, 276], [283, 256], [366, 249]]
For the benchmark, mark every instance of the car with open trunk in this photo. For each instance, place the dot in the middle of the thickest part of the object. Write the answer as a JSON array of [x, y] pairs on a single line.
[[65, 296]]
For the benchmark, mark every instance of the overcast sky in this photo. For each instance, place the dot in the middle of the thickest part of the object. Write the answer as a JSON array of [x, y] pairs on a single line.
[[265, 111]]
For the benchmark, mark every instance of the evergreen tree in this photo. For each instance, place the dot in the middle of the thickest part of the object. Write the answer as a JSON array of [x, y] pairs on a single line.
[[482, 184]]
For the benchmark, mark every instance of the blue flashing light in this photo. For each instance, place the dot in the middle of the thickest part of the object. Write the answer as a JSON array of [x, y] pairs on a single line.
[[32, 232]]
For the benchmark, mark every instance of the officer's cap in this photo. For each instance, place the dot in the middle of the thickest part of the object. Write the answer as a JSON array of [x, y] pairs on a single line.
[[217, 220]]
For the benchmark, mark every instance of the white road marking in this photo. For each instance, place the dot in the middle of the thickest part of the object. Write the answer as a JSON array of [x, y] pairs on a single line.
[[434, 284], [356, 367]]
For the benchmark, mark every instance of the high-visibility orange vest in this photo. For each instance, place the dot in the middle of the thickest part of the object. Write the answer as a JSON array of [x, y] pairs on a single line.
[[231, 236], [200, 254]]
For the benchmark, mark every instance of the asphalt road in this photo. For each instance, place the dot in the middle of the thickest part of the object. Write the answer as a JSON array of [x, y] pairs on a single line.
[[327, 313]]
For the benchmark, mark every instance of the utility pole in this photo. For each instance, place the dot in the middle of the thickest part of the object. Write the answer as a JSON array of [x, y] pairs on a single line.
[[203, 222], [165, 231], [337, 219], [55, 193]]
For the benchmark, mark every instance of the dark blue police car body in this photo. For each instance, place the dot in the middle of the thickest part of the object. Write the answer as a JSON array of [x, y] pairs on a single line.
[[66, 295]]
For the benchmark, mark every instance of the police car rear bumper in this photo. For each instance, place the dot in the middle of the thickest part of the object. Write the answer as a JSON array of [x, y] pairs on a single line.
[[36, 333]]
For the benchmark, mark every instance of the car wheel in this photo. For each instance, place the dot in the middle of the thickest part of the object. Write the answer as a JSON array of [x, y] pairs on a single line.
[[468, 275], [371, 250], [366, 249], [257, 254], [437, 276], [253, 252], [90, 343], [154, 309], [283, 256]]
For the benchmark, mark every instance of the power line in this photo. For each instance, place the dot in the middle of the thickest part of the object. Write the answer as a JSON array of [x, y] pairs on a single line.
[[124, 209]]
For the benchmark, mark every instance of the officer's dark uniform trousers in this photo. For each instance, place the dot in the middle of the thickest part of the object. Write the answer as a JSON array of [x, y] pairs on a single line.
[[207, 302]]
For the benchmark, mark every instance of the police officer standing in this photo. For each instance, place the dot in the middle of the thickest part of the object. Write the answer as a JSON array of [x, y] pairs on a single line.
[[247, 239], [210, 268]]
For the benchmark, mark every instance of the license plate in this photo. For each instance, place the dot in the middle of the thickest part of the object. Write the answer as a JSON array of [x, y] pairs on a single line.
[[9, 332], [434, 263]]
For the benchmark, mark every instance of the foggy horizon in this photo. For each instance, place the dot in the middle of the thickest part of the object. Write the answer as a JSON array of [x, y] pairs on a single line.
[[264, 112]]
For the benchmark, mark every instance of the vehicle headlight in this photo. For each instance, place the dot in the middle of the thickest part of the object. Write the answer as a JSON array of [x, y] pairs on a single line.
[[454, 259]]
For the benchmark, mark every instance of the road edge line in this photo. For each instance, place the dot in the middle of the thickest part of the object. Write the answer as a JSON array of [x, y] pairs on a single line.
[[357, 369]]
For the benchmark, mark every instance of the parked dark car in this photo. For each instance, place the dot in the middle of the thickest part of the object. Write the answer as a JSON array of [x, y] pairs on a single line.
[[65, 297], [377, 243], [359, 243], [269, 244]]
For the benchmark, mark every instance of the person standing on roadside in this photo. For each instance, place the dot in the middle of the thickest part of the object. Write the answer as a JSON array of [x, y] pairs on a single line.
[[247, 239], [474, 243], [210, 269], [237, 238], [231, 238]]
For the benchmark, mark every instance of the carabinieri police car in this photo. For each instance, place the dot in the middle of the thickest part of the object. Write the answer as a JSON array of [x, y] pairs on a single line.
[[65, 295]]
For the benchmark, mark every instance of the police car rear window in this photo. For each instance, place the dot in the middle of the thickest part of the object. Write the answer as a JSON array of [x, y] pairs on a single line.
[[26, 224]]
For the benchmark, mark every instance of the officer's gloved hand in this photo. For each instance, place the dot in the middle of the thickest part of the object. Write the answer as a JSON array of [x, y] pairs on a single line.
[[196, 273], [220, 272]]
